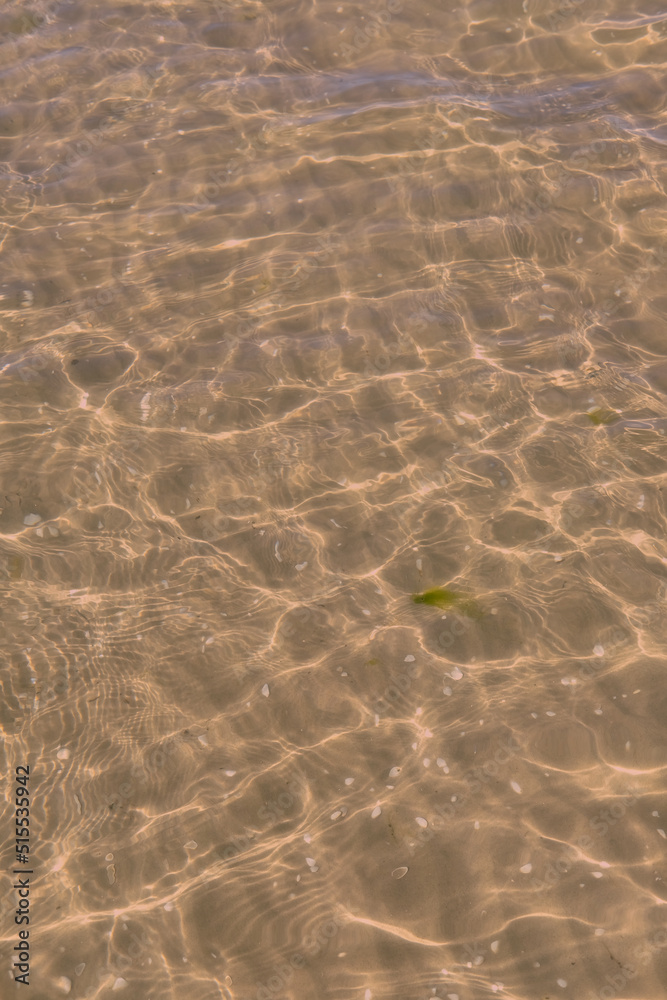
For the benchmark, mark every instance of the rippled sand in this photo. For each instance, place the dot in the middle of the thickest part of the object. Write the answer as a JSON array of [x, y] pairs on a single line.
[[305, 311]]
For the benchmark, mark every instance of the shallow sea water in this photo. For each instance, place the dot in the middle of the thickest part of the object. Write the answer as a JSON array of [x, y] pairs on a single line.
[[306, 309]]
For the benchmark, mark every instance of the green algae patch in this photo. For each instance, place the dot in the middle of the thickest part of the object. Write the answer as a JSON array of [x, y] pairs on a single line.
[[598, 416], [440, 597]]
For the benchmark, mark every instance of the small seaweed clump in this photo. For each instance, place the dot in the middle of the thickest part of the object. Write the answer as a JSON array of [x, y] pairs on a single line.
[[440, 597], [598, 416]]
